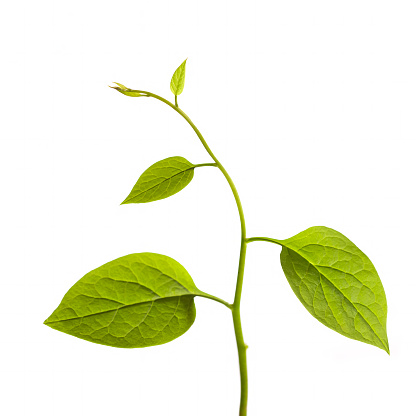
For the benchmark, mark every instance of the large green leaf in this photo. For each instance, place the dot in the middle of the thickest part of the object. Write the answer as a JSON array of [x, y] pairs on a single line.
[[163, 179], [337, 284], [134, 301], [177, 82]]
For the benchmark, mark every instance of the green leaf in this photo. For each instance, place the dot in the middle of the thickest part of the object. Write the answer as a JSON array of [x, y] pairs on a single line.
[[163, 179], [127, 91], [121, 86], [178, 79], [134, 301], [337, 284]]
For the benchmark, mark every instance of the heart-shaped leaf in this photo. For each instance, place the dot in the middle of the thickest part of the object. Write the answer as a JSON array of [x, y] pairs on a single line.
[[163, 179], [134, 301], [177, 82], [337, 284]]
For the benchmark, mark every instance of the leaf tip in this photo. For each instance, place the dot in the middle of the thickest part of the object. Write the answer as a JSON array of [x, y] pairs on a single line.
[[126, 201], [121, 86]]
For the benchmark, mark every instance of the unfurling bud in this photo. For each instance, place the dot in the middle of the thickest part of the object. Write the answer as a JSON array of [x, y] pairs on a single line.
[[127, 91]]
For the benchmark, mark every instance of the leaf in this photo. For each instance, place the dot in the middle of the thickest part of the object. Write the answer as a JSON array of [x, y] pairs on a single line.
[[127, 91], [134, 301], [337, 284], [121, 86], [131, 93], [163, 179], [177, 82]]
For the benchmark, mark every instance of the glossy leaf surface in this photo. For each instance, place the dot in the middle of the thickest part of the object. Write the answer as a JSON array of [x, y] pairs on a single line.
[[177, 82], [163, 179], [337, 284], [134, 301]]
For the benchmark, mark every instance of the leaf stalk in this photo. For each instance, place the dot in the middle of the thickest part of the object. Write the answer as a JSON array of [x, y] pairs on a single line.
[[219, 300], [266, 239], [205, 164]]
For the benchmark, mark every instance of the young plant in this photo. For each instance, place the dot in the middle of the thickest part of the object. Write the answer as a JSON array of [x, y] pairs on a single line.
[[147, 299]]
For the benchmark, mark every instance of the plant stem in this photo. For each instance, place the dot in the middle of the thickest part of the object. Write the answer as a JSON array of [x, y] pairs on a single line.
[[241, 346], [235, 307]]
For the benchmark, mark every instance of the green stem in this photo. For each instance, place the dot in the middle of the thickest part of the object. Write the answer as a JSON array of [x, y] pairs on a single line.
[[241, 346], [219, 300], [267, 239], [205, 164]]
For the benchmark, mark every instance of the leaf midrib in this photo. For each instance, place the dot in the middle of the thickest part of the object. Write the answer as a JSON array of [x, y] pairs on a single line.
[[120, 307], [154, 186], [352, 303], [180, 70], [359, 313]]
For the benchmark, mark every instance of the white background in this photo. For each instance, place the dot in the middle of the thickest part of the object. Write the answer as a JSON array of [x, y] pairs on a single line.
[[310, 105]]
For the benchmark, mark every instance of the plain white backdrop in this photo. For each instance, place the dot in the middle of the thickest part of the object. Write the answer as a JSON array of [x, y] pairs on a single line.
[[310, 106]]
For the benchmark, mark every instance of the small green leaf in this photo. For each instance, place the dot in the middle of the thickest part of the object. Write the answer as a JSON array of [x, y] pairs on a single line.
[[121, 86], [337, 284], [177, 82], [127, 91], [134, 301], [163, 179]]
